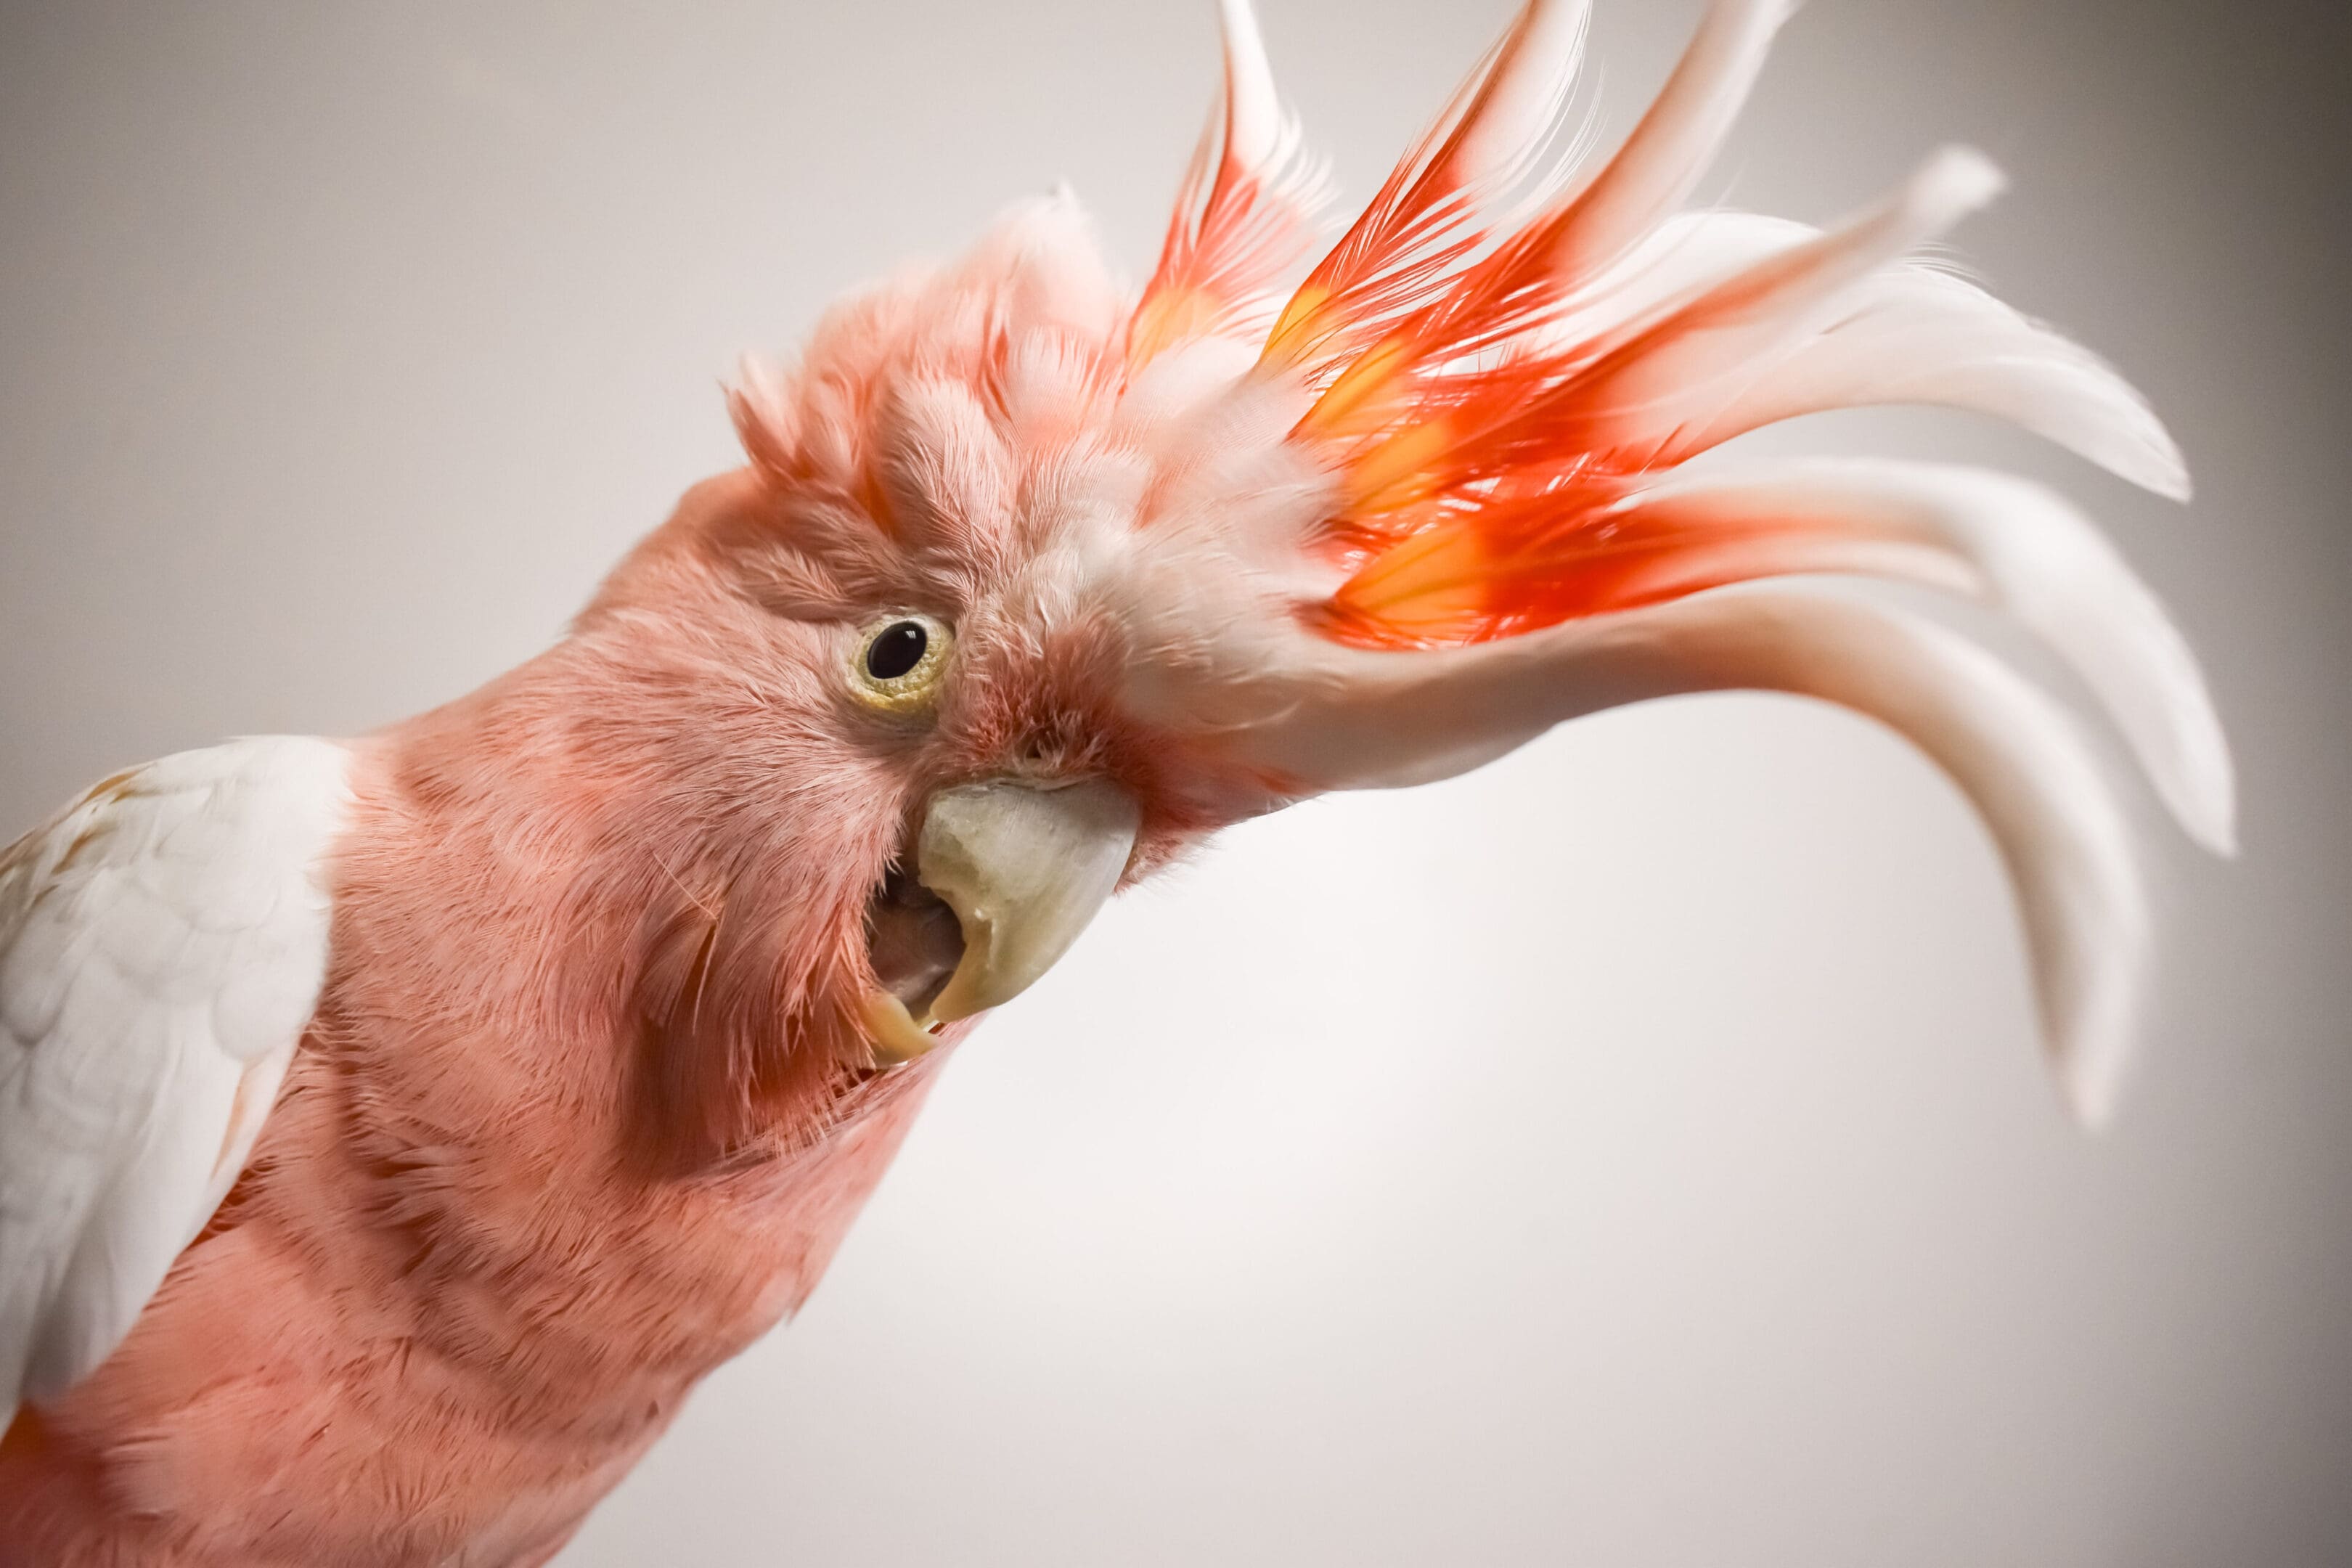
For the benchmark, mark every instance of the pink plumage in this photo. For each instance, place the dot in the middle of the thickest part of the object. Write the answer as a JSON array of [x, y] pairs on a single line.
[[602, 995]]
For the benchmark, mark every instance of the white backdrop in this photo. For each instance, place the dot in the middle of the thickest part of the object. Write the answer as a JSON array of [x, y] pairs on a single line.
[[1633, 1153]]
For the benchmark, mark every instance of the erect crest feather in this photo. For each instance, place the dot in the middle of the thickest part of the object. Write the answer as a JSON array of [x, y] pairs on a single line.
[[1429, 507], [1243, 213], [1500, 406]]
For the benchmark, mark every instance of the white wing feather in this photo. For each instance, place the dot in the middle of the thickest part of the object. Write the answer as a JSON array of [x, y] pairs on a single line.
[[163, 944]]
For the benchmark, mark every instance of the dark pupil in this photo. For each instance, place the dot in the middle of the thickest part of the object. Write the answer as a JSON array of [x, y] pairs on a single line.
[[898, 650]]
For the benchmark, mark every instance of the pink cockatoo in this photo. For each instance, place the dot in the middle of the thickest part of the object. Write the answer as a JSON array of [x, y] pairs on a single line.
[[393, 1131]]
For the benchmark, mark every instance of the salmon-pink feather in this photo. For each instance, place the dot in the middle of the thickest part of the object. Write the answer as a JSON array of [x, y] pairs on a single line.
[[586, 1104]]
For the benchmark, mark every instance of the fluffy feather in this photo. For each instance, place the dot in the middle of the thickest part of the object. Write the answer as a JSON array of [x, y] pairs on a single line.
[[587, 1100]]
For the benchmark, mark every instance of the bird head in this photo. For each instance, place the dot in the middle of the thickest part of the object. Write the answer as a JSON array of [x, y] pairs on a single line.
[[1032, 581]]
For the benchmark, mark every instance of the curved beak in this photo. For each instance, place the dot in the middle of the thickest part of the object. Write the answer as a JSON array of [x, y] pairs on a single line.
[[1022, 867]]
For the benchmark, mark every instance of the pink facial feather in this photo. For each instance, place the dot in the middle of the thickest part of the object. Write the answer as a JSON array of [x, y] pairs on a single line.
[[586, 1104]]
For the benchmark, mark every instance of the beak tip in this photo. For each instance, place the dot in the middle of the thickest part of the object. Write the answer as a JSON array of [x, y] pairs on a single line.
[[892, 1033]]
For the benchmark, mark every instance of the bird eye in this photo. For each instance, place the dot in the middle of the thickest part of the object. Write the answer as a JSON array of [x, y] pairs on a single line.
[[896, 649], [899, 660]]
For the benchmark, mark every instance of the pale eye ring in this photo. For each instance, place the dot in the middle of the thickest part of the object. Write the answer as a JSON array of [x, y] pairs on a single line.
[[899, 660]]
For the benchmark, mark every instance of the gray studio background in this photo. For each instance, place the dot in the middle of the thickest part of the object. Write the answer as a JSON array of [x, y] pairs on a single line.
[[1634, 1154]]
